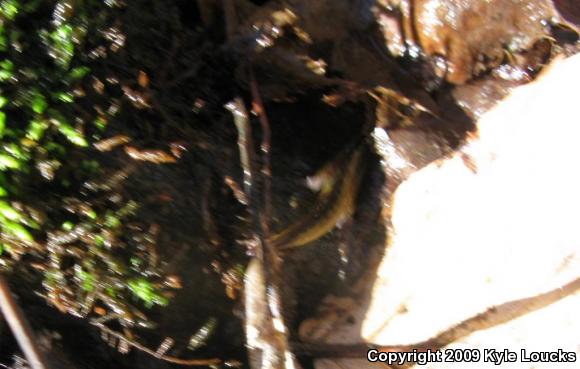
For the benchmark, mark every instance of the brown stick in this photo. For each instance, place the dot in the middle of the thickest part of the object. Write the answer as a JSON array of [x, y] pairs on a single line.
[[170, 359], [206, 12], [231, 19], [491, 317], [258, 107], [20, 328], [245, 143]]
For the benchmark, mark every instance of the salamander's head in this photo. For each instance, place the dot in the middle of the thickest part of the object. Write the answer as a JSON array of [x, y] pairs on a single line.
[[322, 182]]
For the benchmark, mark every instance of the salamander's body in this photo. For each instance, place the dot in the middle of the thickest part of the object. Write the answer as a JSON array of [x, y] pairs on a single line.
[[336, 201]]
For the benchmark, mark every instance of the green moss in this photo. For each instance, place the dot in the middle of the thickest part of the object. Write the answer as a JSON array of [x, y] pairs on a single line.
[[17, 230], [66, 97], [36, 130], [87, 280], [9, 9], [6, 70], [2, 123], [72, 134], [78, 73], [61, 44], [112, 221], [9, 212], [39, 103], [68, 226], [144, 290], [8, 162], [51, 113]]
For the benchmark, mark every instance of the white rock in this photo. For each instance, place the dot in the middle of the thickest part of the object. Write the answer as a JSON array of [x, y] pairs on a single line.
[[471, 236]]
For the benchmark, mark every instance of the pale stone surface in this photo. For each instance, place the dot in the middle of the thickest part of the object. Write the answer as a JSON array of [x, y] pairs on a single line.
[[469, 237]]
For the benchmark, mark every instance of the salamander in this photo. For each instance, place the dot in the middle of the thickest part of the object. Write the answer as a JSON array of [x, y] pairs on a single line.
[[339, 183]]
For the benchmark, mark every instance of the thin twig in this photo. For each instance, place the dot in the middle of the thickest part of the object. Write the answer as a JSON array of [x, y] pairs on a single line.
[[231, 19], [503, 313], [191, 72], [265, 149], [245, 143], [271, 262], [171, 359], [206, 12], [262, 281], [20, 328], [492, 317]]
